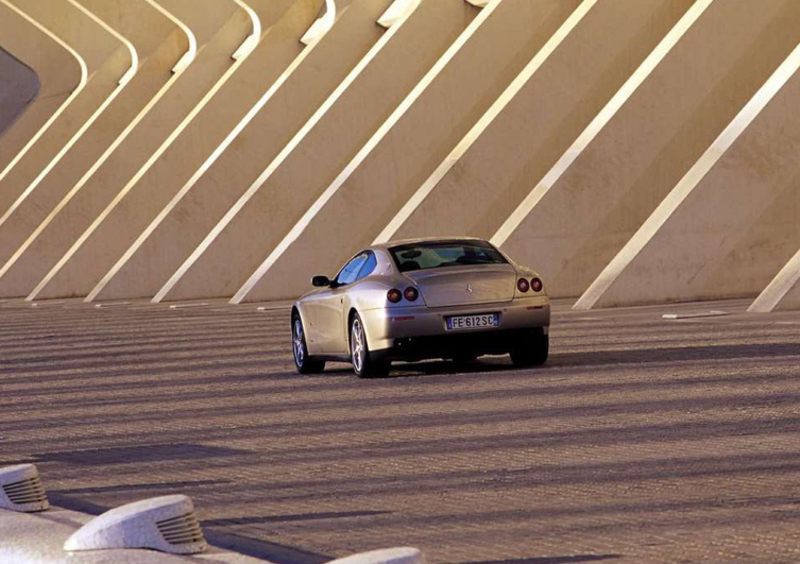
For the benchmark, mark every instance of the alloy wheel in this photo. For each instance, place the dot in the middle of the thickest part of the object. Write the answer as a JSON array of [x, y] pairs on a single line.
[[357, 346], [299, 343]]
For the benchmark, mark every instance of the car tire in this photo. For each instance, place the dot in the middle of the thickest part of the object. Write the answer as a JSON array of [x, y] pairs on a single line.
[[365, 365], [532, 351], [303, 362]]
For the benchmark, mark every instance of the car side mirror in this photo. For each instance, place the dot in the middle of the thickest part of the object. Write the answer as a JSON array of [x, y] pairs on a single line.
[[320, 282]]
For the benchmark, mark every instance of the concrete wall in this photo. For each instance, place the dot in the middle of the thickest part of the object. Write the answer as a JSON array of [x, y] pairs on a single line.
[[735, 229], [632, 151], [219, 27], [287, 108], [541, 120], [59, 73], [19, 85], [122, 225], [782, 293], [583, 220], [105, 60], [309, 164], [444, 106], [160, 46]]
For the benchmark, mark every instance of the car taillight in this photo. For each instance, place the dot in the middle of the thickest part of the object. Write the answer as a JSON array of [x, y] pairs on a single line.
[[411, 294], [394, 296], [523, 285], [536, 285]]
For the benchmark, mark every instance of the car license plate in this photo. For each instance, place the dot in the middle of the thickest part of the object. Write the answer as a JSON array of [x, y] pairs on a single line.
[[459, 322]]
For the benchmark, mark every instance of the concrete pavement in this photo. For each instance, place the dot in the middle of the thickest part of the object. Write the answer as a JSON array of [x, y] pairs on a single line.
[[644, 440]]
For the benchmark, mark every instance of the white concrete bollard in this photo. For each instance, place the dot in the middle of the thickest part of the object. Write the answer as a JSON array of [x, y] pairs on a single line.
[[167, 524], [21, 489]]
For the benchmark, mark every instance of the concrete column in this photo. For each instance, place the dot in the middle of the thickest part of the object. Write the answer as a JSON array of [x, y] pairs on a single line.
[[141, 201], [19, 85], [161, 42], [475, 190], [103, 60], [219, 28], [60, 70], [731, 223], [581, 222], [407, 148], [278, 116], [783, 293], [311, 161]]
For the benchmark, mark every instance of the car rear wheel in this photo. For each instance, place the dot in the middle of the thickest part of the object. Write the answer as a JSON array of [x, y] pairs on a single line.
[[304, 363], [364, 363], [533, 350]]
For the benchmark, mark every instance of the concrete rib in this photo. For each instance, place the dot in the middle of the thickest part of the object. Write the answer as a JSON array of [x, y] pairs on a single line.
[[220, 28], [352, 114], [597, 205], [160, 44], [409, 145], [699, 243]]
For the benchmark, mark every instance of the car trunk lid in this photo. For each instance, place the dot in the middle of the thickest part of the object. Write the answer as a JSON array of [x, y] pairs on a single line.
[[466, 285]]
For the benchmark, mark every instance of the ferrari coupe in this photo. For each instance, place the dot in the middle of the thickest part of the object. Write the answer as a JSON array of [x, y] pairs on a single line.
[[453, 299]]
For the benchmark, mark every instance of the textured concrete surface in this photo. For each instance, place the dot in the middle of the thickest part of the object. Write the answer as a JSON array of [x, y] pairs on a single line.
[[599, 203], [219, 28], [76, 99], [160, 44], [176, 171], [643, 440], [740, 218]]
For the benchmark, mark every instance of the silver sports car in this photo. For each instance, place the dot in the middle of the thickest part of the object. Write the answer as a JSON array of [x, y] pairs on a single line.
[[422, 299]]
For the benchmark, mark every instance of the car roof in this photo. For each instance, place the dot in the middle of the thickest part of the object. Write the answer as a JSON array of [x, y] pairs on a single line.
[[389, 244]]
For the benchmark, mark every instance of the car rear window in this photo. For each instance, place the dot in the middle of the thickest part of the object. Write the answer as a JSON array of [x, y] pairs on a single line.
[[442, 254]]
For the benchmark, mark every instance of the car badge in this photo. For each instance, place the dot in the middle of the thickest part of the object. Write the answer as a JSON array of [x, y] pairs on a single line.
[[469, 288]]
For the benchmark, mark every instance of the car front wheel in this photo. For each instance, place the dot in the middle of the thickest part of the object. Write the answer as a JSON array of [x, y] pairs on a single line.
[[302, 360], [533, 350], [364, 363]]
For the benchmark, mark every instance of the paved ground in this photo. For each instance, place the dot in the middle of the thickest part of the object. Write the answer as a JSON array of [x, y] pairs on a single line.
[[644, 440]]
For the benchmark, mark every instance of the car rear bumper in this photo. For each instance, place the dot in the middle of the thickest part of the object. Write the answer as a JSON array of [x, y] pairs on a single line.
[[421, 332], [458, 346]]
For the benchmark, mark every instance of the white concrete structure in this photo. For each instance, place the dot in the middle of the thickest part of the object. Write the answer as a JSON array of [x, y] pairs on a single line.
[[331, 137], [191, 149], [643, 150], [715, 245], [580, 223], [219, 28], [167, 524], [160, 46]]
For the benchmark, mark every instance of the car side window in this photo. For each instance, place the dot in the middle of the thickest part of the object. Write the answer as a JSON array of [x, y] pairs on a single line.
[[349, 273], [368, 267]]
